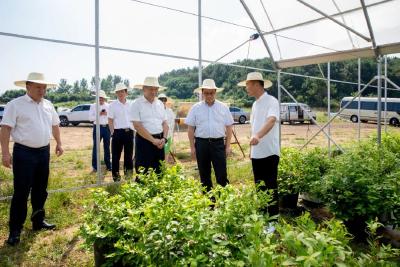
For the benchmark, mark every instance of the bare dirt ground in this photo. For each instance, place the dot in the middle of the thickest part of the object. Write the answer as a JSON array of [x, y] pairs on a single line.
[[80, 137]]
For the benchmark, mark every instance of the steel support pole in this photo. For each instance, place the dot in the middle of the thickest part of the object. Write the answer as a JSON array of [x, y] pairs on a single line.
[[260, 33], [379, 109], [280, 101], [359, 102], [200, 74], [340, 111], [329, 106], [385, 114], [97, 85]]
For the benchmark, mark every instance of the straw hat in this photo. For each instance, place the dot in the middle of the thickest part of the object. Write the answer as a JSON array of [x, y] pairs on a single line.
[[208, 84], [162, 96], [101, 94], [120, 87], [255, 76], [35, 77], [151, 82]]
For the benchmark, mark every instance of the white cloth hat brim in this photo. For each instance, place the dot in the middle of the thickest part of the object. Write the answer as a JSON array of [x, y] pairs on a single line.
[[267, 83], [140, 87], [23, 83], [198, 90]]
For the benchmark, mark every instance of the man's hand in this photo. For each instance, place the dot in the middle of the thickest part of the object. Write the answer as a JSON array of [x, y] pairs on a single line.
[[59, 150], [193, 153], [7, 160], [254, 140], [103, 113], [162, 143], [228, 150], [156, 142]]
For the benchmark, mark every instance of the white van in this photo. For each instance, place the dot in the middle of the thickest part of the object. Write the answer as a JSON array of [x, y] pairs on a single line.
[[368, 109], [291, 113]]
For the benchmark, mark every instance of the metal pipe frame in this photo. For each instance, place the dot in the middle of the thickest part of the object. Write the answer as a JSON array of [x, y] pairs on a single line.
[[371, 32], [340, 111], [97, 84], [280, 101], [385, 113], [200, 43], [312, 119], [379, 109], [323, 18], [359, 102], [334, 20], [329, 105], [170, 56], [260, 33]]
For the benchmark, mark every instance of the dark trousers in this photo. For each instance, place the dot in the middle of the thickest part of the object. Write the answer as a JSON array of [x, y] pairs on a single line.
[[148, 155], [211, 151], [105, 135], [31, 174], [122, 139], [266, 170]]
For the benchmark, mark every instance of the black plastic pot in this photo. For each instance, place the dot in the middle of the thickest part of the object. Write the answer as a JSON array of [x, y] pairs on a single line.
[[288, 201], [357, 226], [100, 252]]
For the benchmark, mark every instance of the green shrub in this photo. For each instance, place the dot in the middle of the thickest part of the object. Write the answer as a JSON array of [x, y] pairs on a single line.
[[168, 221], [363, 182]]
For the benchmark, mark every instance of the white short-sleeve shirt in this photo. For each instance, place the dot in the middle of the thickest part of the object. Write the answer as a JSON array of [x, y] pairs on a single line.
[[31, 122], [171, 121], [209, 121], [151, 115], [119, 112], [102, 118], [263, 108]]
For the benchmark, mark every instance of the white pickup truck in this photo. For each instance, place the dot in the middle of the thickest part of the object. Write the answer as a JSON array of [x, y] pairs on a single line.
[[79, 114]]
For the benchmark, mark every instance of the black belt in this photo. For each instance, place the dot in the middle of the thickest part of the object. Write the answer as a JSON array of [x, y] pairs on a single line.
[[210, 139], [159, 136], [101, 125], [31, 148], [123, 130]]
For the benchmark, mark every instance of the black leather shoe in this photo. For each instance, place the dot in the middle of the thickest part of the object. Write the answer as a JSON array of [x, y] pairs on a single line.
[[14, 238], [43, 225]]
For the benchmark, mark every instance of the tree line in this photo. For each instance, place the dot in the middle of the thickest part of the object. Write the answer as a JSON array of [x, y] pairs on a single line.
[[182, 82]]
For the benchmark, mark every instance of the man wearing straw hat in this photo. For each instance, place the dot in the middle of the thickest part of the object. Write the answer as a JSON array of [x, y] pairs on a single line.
[[264, 140], [30, 120], [121, 132], [105, 134], [210, 132], [150, 121]]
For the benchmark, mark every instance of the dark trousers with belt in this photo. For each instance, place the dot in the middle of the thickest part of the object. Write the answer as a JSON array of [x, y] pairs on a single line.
[[122, 139], [31, 174], [266, 170], [148, 155], [211, 151], [105, 135]]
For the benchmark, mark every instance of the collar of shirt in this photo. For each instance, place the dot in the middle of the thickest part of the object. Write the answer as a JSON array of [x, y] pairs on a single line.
[[30, 100]]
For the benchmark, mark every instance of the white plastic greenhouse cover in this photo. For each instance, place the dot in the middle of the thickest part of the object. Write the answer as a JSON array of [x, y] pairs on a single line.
[[299, 35]]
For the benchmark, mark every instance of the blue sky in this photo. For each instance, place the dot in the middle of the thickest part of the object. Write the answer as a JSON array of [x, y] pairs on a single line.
[[128, 24]]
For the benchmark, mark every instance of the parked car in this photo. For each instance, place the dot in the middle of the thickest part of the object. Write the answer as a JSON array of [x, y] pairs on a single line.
[[369, 110], [1, 112], [239, 114], [293, 112], [79, 114]]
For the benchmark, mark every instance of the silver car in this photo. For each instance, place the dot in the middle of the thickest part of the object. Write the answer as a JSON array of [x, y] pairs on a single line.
[[239, 115]]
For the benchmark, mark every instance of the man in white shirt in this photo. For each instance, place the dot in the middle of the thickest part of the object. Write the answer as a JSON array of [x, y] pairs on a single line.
[[264, 140], [209, 123], [105, 134], [150, 121], [121, 131], [30, 120]]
